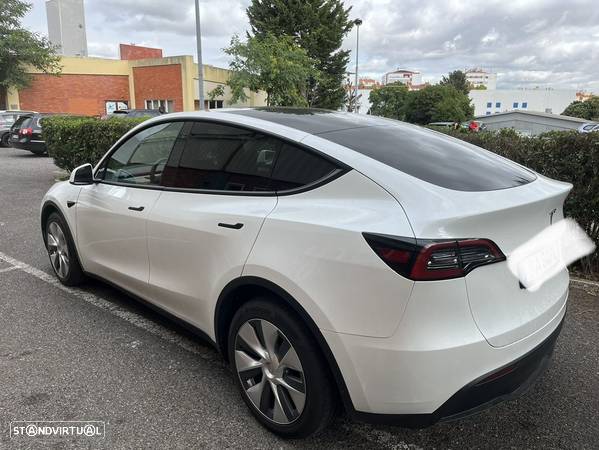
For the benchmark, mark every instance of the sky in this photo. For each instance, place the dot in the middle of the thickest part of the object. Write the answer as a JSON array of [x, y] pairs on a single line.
[[532, 43]]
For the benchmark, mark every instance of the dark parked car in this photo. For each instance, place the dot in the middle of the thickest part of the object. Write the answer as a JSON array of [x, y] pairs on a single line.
[[26, 133], [7, 120], [134, 113]]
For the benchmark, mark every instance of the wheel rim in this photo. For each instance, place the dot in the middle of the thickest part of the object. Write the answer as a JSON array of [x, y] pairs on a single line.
[[58, 250], [270, 371]]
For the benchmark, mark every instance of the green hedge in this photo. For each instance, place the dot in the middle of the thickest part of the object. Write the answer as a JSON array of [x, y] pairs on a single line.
[[73, 141], [563, 155]]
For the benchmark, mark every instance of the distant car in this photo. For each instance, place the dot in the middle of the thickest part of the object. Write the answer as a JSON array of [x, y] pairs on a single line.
[[26, 133], [588, 127], [7, 120], [134, 113]]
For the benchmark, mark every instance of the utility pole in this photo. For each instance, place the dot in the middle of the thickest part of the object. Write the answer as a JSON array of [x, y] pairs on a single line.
[[357, 22], [200, 65]]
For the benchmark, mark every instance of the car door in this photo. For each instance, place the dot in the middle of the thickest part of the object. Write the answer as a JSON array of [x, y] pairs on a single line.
[[204, 224], [112, 213]]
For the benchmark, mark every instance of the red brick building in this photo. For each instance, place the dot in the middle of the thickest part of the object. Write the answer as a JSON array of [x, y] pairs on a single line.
[[142, 78]]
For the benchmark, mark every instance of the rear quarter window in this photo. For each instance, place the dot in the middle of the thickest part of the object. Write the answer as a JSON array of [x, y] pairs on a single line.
[[433, 157]]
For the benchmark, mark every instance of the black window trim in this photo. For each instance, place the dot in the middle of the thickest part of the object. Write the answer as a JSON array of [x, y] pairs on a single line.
[[342, 168]]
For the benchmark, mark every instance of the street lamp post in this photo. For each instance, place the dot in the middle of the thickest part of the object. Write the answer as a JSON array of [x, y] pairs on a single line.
[[357, 23], [200, 65]]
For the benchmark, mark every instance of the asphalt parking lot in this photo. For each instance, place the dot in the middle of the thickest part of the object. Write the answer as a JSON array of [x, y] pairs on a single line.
[[95, 354]]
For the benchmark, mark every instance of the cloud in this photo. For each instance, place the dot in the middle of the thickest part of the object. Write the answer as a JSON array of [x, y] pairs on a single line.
[[534, 42]]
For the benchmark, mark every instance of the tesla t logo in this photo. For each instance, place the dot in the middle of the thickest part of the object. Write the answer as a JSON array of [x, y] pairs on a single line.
[[553, 211]]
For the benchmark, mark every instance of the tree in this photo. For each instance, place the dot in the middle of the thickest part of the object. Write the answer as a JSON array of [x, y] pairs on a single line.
[[318, 27], [218, 91], [21, 50], [389, 101], [272, 64], [588, 109], [439, 103], [458, 80]]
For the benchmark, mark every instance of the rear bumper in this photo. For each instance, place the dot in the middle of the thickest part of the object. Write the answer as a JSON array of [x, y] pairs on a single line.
[[433, 366], [505, 383], [37, 147]]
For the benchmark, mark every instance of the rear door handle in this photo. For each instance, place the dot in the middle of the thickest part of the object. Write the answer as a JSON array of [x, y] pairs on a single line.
[[236, 226], [136, 208]]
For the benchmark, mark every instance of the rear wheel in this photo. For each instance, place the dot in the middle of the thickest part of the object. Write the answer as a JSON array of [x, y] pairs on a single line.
[[61, 251], [4, 140], [279, 370]]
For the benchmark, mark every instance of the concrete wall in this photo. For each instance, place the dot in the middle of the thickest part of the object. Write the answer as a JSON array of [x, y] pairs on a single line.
[[553, 101], [66, 26]]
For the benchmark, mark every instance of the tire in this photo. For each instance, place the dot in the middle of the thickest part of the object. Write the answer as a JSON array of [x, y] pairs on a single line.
[[4, 140], [262, 324], [62, 252]]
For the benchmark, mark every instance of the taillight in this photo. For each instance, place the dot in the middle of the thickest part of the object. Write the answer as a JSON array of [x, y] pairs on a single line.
[[26, 131], [423, 260]]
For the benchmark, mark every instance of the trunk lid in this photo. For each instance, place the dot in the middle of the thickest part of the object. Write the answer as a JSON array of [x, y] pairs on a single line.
[[503, 311]]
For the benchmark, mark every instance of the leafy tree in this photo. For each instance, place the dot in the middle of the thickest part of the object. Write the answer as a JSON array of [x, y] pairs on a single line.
[[318, 27], [458, 80], [272, 64], [439, 103], [21, 49], [218, 91], [588, 109], [389, 101]]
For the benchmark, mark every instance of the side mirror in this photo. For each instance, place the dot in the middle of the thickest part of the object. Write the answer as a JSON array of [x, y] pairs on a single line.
[[82, 175]]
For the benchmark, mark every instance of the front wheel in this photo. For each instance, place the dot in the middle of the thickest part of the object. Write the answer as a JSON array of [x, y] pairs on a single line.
[[279, 369], [61, 251]]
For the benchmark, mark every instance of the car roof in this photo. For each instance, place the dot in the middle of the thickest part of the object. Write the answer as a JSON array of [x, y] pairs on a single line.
[[309, 120]]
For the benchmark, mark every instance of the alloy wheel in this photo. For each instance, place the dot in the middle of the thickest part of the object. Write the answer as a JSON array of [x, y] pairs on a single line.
[[270, 371], [58, 250]]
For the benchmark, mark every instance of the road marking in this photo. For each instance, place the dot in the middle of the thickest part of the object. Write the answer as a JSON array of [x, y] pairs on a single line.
[[383, 439], [131, 317], [8, 269]]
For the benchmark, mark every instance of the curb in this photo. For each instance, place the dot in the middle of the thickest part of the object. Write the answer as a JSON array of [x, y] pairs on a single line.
[[591, 287]]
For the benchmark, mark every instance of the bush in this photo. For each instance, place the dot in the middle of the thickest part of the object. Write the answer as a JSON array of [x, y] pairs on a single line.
[[563, 155], [73, 141]]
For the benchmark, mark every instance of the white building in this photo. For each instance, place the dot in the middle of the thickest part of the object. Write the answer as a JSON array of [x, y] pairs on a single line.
[[66, 26], [408, 77], [493, 101], [479, 77]]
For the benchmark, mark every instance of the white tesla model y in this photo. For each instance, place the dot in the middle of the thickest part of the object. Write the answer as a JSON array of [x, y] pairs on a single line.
[[337, 261]]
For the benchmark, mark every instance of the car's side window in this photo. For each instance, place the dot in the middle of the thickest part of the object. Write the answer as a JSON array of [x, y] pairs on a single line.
[[142, 159], [226, 158]]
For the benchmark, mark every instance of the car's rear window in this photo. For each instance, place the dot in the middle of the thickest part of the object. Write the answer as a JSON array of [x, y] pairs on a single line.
[[22, 122], [433, 157]]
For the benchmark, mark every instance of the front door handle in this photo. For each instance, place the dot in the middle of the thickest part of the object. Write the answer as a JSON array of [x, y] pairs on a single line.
[[236, 226], [136, 208]]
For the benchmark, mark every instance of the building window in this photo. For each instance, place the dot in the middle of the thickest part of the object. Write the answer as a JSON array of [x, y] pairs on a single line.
[[214, 104], [515, 105], [524, 105], [168, 105], [498, 105], [488, 113], [489, 105]]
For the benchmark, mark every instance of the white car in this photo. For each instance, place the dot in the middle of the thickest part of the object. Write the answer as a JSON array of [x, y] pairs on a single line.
[[334, 259]]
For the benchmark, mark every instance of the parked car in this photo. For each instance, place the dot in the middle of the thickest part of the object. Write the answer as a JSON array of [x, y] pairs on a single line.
[[332, 258], [588, 127], [133, 113], [26, 134], [7, 120]]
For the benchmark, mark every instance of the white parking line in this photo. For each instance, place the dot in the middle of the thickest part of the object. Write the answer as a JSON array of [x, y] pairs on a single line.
[[383, 439], [131, 317]]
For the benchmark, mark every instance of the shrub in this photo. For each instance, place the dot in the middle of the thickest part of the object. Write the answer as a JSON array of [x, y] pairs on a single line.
[[563, 155], [73, 141]]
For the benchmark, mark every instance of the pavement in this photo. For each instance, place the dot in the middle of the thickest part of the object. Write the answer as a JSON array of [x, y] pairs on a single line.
[[93, 353]]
